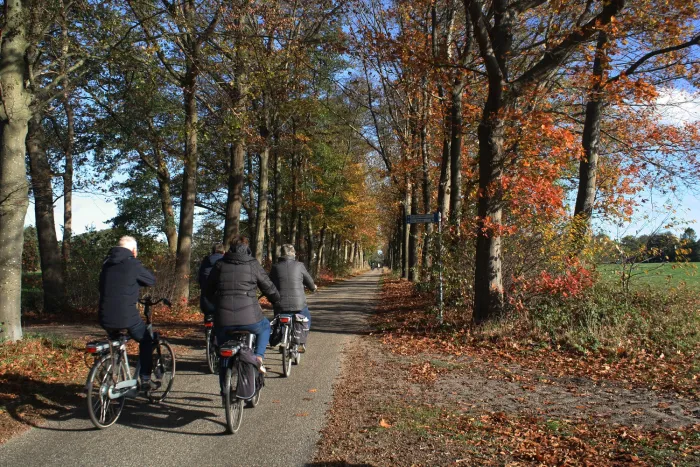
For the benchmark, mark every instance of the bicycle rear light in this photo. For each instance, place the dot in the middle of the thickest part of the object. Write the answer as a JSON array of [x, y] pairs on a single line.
[[209, 325], [226, 352], [285, 320], [91, 348]]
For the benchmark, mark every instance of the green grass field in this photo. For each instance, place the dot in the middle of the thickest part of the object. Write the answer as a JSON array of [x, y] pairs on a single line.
[[655, 276]]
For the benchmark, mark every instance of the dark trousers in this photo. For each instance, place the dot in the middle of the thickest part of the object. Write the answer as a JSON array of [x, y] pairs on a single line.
[[139, 332]]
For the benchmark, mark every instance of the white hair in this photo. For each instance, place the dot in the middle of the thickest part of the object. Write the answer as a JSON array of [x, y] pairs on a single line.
[[128, 242]]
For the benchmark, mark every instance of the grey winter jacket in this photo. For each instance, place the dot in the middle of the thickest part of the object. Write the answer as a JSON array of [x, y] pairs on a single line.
[[290, 277], [233, 285]]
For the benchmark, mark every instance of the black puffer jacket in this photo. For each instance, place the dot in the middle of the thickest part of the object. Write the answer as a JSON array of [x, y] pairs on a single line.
[[205, 268], [290, 277], [120, 279], [233, 284]]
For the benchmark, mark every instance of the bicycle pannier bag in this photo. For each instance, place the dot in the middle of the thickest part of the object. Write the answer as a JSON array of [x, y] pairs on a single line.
[[300, 329], [276, 333], [247, 370]]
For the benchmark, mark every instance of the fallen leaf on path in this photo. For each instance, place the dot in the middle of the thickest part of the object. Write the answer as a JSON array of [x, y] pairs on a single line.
[[303, 414], [313, 390], [384, 424]]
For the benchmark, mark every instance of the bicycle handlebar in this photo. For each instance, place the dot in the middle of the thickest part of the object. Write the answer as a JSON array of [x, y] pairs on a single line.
[[148, 301]]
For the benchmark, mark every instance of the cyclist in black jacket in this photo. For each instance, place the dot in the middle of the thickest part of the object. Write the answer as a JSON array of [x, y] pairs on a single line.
[[121, 277], [217, 252], [233, 285]]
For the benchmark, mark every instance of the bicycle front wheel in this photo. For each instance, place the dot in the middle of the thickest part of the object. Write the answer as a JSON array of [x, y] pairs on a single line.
[[233, 405], [103, 410], [212, 354], [163, 370]]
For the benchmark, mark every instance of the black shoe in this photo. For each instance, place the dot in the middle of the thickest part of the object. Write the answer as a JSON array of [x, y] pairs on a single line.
[[149, 385]]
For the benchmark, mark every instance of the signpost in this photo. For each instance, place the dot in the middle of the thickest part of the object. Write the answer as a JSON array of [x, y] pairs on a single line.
[[423, 218], [433, 218]]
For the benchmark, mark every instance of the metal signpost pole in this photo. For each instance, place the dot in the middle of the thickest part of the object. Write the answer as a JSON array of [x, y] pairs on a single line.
[[428, 219]]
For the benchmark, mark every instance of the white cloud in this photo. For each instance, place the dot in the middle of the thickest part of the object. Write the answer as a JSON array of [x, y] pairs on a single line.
[[678, 106]]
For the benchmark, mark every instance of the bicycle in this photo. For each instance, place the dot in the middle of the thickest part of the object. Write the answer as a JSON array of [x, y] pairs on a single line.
[[210, 339], [289, 346], [110, 380], [240, 342]]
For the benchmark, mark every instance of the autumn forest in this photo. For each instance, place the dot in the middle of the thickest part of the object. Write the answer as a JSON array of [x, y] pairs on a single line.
[[524, 123]]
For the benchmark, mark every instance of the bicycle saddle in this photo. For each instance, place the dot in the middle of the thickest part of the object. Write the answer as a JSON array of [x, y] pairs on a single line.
[[237, 333]]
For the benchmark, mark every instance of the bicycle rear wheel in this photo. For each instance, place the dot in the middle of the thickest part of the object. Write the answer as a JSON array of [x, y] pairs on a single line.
[[233, 405], [259, 382], [104, 411], [163, 370], [212, 354], [286, 362]]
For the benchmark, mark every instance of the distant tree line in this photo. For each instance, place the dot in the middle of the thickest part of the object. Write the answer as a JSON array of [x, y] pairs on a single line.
[[651, 248]]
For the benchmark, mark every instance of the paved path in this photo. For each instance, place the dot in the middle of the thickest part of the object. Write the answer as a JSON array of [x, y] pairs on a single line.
[[188, 429]]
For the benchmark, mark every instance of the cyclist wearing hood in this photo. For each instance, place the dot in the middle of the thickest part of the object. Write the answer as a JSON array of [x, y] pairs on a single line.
[[121, 277], [232, 286], [217, 252]]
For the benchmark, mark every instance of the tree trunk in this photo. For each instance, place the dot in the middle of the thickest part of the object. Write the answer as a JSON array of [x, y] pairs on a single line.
[[591, 143], [345, 252], [488, 280], [445, 170], [321, 247], [427, 259], [261, 215], [300, 240], [41, 177], [352, 254], [166, 200], [309, 243], [268, 238], [252, 204], [189, 188], [278, 207], [68, 181], [413, 275], [456, 154], [13, 175], [406, 232], [235, 192]]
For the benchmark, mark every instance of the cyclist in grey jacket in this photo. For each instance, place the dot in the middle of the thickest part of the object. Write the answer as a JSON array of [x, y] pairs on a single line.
[[290, 276]]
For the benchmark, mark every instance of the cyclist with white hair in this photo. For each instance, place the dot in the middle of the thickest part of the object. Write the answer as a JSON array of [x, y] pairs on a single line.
[[121, 277]]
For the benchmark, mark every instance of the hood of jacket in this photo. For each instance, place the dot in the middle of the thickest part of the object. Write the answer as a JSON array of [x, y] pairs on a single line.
[[118, 255], [287, 258], [241, 254], [214, 258]]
